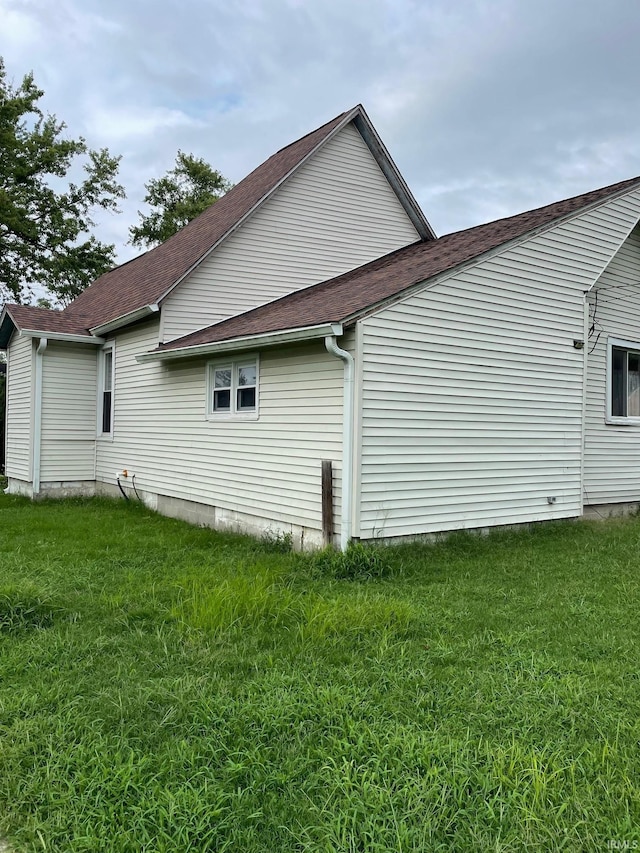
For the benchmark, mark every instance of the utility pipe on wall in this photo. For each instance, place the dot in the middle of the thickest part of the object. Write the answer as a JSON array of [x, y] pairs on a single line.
[[37, 416], [346, 514]]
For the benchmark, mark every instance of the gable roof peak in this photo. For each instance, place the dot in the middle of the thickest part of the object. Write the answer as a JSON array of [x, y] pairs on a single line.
[[147, 279], [345, 117]]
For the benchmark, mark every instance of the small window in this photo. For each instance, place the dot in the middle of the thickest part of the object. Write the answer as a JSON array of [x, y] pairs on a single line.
[[222, 389], [624, 380], [233, 388], [105, 401], [246, 388]]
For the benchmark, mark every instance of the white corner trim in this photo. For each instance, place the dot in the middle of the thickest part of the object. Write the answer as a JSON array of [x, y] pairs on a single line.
[[37, 415]]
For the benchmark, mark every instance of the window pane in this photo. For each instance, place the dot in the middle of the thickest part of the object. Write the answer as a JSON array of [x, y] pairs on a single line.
[[246, 399], [108, 370], [618, 383], [222, 400], [222, 378], [106, 411], [247, 375], [633, 380]]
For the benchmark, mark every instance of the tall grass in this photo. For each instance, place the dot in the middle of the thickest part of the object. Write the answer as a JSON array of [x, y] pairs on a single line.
[[167, 688]]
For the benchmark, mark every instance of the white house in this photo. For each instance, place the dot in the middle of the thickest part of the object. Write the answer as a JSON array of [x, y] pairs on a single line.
[[488, 377]]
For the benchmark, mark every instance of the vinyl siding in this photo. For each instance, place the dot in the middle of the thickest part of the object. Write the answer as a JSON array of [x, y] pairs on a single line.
[[268, 467], [19, 408], [68, 413], [472, 392], [335, 213], [612, 452]]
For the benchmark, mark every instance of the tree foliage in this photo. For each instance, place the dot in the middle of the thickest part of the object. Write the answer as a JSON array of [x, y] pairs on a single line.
[[46, 218], [178, 197]]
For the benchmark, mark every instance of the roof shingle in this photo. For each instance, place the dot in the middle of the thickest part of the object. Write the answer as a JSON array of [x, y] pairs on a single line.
[[45, 320], [346, 296], [145, 279]]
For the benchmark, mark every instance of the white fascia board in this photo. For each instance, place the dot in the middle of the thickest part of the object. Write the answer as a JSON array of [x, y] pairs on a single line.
[[393, 175], [249, 342], [61, 336], [125, 319]]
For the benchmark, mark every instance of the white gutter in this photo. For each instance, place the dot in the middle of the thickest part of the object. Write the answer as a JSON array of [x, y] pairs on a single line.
[[247, 342], [125, 319], [347, 439], [60, 336], [37, 416]]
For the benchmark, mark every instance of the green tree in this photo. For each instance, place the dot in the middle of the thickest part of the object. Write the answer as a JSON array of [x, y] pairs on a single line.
[[45, 218], [175, 199]]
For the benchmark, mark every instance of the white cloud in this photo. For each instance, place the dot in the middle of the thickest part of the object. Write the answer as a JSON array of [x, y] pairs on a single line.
[[122, 125], [488, 106]]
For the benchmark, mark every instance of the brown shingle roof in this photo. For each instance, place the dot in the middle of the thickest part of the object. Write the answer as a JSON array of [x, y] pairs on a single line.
[[352, 293], [45, 320], [145, 279]]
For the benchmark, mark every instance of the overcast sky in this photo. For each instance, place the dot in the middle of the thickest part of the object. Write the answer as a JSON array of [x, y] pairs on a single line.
[[488, 107]]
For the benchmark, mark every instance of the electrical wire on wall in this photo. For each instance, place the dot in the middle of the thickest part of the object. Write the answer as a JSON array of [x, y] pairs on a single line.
[[594, 324], [606, 294]]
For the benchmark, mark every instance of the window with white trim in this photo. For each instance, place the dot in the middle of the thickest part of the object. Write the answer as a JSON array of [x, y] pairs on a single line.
[[624, 381], [106, 386], [233, 388]]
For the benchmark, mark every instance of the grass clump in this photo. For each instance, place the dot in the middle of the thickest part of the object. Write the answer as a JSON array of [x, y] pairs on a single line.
[[276, 541], [358, 562], [24, 608], [263, 603], [165, 687]]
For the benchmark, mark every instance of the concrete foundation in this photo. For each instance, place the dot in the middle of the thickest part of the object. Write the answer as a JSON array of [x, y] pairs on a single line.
[[203, 515], [53, 489], [301, 537], [602, 511]]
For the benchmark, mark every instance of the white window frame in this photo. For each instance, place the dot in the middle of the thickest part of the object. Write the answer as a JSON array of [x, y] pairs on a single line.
[[234, 363], [110, 347], [631, 346]]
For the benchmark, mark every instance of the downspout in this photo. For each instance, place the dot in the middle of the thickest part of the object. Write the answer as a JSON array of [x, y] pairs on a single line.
[[585, 388], [37, 417], [347, 439]]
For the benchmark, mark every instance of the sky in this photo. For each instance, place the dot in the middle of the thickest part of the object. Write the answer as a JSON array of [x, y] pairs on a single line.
[[488, 107]]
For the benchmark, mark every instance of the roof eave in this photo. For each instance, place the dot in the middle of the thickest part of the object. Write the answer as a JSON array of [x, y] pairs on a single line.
[[125, 319], [244, 343], [61, 336]]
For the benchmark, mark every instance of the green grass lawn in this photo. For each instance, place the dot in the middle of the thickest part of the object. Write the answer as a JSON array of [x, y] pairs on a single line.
[[168, 688]]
